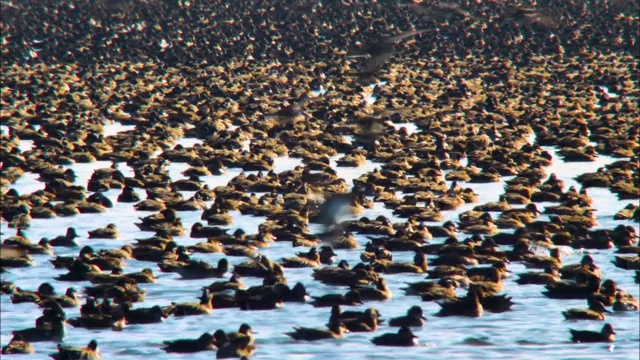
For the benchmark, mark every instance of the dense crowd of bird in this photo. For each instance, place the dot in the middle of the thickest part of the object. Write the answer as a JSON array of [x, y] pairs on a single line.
[[293, 78]]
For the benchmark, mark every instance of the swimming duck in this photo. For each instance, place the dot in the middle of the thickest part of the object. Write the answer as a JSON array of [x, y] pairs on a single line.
[[200, 231], [149, 315], [414, 318], [487, 227], [624, 303], [114, 320], [240, 347], [334, 331], [368, 322], [109, 232], [419, 265], [186, 346], [342, 275], [43, 247], [571, 290], [204, 307], [448, 229], [267, 300], [202, 270], [595, 311], [208, 247], [585, 336], [349, 299], [90, 352], [627, 262], [469, 306], [128, 195], [586, 267], [311, 260], [66, 240], [244, 331], [261, 267], [44, 291], [326, 254], [36, 334], [234, 283], [404, 337], [13, 257], [149, 223], [535, 261], [490, 281], [548, 276], [18, 346], [380, 293], [68, 300]]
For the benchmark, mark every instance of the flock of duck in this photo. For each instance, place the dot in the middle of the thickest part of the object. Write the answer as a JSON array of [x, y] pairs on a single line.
[[477, 80]]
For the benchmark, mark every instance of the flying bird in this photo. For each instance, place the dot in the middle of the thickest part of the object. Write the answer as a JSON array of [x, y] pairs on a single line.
[[379, 51], [528, 16], [439, 10]]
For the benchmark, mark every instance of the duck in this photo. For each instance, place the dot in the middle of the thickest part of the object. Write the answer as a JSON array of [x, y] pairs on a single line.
[[261, 267], [368, 322], [535, 261], [448, 229], [595, 311], [208, 247], [404, 337], [349, 299], [66, 240], [90, 352], [419, 265], [200, 231], [234, 283], [627, 262], [334, 331], [607, 334], [586, 266], [572, 290], [203, 270], [186, 346], [380, 293], [43, 247], [241, 347], [312, 259], [431, 291], [13, 257], [165, 216], [68, 300], [268, 300], [487, 227], [204, 307], [150, 315], [114, 320], [18, 346], [326, 254], [244, 331], [343, 275], [468, 306], [491, 282], [36, 334], [414, 318], [548, 276], [44, 291], [108, 232], [623, 303]]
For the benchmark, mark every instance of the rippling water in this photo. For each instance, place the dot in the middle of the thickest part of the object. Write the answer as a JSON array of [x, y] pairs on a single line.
[[535, 324]]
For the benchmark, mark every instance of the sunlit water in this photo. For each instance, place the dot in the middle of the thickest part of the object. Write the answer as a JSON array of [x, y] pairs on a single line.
[[535, 324]]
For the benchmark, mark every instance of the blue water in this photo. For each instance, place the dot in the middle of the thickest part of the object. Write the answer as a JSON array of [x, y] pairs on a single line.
[[535, 324]]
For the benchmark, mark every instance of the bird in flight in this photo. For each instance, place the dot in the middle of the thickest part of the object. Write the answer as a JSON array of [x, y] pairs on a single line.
[[379, 51]]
